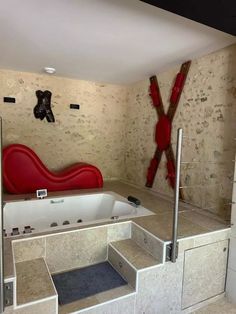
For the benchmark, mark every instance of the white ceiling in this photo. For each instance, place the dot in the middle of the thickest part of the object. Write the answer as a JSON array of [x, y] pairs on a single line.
[[116, 41]]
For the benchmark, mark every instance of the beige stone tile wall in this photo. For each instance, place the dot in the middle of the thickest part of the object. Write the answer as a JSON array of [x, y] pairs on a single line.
[[118, 232], [29, 249], [207, 114], [148, 242], [114, 128], [159, 289], [76, 249], [73, 249], [94, 133], [120, 264]]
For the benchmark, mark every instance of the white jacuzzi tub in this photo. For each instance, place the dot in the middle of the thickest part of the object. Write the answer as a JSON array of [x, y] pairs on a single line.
[[51, 213]]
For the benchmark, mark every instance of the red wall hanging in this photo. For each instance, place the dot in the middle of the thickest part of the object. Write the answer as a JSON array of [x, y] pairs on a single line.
[[164, 126]]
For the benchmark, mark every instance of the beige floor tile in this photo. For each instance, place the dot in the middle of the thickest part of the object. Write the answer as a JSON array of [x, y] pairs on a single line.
[[220, 307], [161, 226], [45, 307]]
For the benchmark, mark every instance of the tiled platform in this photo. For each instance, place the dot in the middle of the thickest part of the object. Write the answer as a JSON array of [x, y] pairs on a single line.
[[193, 221], [136, 248]]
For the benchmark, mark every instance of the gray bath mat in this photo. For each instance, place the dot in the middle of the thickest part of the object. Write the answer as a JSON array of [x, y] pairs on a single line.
[[84, 282]]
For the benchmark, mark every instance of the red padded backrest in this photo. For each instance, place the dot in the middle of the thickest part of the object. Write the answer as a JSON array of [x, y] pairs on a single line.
[[24, 172]]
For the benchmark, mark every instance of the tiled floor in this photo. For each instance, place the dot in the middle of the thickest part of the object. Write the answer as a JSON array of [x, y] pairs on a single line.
[[223, 306]]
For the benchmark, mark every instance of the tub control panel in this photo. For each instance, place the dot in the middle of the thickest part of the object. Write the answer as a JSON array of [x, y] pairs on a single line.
[[42, 193]]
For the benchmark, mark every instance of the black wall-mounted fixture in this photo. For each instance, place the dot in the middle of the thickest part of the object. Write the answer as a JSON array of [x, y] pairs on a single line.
[[219, 14], [74, 106], [9, 100]]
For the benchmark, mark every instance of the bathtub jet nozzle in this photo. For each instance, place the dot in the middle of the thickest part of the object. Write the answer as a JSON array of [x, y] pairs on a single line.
[[115, 217]]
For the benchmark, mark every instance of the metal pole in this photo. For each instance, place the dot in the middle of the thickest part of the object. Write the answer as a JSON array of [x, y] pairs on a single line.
[[2, 298], [176, 198]]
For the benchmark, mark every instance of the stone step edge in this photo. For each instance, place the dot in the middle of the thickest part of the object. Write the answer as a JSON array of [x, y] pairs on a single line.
[[91, 307], [129, 263], [152, 236], [44, 299]]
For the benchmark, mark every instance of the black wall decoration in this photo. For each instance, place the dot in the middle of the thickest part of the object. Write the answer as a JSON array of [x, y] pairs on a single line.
[[10, 100], [43, 107], [74, 106]]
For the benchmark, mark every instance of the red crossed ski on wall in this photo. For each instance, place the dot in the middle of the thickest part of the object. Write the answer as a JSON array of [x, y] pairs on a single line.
[[164, 125]]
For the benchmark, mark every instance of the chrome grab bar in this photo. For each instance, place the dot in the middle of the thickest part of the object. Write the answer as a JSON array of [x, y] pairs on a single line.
[[2, 292], [174, 248]]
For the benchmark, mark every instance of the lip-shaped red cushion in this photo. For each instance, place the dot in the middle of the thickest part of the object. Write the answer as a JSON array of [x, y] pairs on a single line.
[[24, 172]]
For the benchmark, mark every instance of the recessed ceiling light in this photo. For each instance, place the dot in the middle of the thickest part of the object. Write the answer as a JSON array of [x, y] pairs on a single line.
[[49, 70]]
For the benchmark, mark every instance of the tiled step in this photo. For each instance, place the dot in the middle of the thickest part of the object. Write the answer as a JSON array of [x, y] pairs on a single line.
[[33, 282], [116, 259], [36, 292], [99, 299], [128, 257], [148, 242]]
